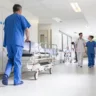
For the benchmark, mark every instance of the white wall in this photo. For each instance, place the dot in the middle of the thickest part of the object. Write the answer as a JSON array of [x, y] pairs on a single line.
[[44, 26], [56, 36], [34, 31]]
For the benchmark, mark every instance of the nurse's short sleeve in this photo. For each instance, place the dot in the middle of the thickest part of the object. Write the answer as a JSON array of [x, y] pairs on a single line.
[[25, 23]]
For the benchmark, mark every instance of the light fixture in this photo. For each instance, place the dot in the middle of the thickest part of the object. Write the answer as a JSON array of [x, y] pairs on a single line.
[[57, 19], [75, 7]]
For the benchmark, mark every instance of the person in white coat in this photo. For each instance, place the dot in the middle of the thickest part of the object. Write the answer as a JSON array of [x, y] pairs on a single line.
[[80, 49]]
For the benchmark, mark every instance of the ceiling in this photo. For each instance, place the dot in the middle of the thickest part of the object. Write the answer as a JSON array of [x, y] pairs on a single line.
[[48, 9], [45, 10]]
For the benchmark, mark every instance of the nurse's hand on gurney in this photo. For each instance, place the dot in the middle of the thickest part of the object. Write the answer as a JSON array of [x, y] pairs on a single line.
[[27, 40]]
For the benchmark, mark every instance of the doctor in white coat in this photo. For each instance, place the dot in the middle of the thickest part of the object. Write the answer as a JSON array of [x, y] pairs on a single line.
[[80, 49]]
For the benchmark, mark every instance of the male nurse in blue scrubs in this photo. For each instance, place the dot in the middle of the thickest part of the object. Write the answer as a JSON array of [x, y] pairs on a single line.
[[16, 26]]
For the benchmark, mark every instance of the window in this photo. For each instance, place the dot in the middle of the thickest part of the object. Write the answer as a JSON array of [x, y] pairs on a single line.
[[64, 41], [69, 42]]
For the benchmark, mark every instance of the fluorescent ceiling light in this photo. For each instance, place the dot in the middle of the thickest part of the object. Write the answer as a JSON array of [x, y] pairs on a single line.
[[76, 7], [57, 19]]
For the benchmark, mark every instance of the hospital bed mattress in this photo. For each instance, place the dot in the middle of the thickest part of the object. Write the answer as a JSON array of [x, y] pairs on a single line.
[[36, 48]]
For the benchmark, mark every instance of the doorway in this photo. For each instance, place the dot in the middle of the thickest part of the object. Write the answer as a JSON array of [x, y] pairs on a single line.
[[45, 38]]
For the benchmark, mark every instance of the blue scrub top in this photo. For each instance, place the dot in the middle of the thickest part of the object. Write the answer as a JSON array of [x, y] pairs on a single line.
[[15, 26], [91, 47]]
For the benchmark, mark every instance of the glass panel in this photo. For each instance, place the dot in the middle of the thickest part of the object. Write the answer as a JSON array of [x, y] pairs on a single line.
[[69, 42], [64, 41]]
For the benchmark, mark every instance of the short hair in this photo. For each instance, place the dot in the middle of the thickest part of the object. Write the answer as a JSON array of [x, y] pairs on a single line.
[[91, 36], [72, 43], [80, 34], [17, 7]]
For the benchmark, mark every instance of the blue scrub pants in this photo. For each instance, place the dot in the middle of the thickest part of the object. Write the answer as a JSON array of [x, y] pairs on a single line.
[[14, 59], [91, 60]]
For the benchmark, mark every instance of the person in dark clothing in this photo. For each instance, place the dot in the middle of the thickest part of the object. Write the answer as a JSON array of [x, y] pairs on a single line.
[[76, 60]]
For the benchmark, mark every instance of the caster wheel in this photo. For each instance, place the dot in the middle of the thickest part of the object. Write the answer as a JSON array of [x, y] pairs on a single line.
[[63, 61], [36, 75], [50, 70]]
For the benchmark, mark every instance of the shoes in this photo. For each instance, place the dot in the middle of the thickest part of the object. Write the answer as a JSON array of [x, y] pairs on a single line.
[[80, 66], [16, 84], [91, 66], [5, 79]]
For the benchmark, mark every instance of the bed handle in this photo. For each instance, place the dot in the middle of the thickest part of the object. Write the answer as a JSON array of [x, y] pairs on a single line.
[[29, 45]]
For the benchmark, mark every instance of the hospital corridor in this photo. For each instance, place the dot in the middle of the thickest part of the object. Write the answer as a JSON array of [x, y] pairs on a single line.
[[47, 48]]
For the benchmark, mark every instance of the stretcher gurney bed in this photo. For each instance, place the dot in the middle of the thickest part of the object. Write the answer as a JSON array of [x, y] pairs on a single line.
[[39, 59]]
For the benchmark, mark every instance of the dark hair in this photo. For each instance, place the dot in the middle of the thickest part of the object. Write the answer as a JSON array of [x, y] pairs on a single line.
[[80, 34], [91, 36], [72, 43], [17, 7]]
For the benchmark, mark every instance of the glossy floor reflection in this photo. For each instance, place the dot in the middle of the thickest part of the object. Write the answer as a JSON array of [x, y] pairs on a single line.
[[66, 80]]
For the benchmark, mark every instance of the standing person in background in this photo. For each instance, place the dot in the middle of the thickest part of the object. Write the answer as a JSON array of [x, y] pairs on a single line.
[[80, 49], [76, 60], [91, 51], [16, 26]]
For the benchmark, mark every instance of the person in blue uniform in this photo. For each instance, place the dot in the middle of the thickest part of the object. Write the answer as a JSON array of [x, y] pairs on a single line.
[[16, 26], [91, 51]]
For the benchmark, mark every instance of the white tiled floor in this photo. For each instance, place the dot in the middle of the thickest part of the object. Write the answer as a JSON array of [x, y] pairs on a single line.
[[66, 80]]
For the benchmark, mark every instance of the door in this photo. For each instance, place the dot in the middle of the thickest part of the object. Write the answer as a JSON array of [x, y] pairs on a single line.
[[43, 38]]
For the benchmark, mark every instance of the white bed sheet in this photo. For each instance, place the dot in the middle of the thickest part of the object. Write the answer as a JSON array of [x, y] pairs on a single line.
[[35, 47]]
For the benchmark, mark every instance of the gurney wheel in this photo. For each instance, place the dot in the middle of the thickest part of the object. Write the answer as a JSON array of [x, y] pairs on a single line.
[[63, 61], [36, 75], [50, 70]]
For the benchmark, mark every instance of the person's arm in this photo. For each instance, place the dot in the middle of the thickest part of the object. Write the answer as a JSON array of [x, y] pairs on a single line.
[[94, 44], [27, 34], [4, 42], [25, 25], [84, 43]]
